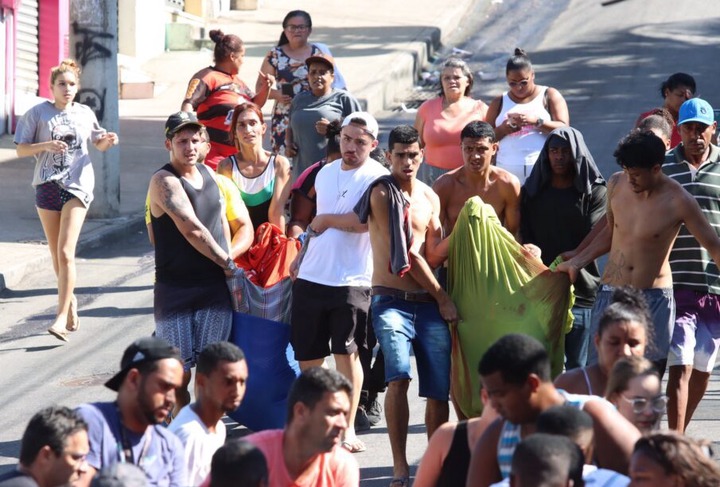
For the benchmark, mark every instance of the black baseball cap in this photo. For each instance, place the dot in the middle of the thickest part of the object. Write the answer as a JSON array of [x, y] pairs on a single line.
[[142, 350], [178, 121]]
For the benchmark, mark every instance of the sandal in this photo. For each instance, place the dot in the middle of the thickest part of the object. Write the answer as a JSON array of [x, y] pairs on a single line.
[[73, 320], [356, 446], [60, 335], [400, 482]]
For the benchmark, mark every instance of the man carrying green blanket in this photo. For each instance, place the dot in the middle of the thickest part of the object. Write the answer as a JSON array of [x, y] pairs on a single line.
[[498, 288]]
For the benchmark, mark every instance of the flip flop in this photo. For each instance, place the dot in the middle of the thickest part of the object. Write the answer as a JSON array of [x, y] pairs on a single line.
[[356, 446], [58, 334], [73, 321], [400, 482]]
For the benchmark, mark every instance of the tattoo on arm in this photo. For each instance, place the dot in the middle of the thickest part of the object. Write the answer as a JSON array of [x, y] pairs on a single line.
[[178, 207]]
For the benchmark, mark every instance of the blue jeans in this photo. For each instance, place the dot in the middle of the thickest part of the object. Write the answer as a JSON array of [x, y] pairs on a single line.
[[400, 324], [577, 341], [662, 312]]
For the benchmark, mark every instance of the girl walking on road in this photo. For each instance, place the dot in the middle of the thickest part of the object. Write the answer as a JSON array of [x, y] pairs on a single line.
[[56, 134]]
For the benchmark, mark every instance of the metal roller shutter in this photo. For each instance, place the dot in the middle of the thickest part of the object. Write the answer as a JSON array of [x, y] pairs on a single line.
[[26, 61]]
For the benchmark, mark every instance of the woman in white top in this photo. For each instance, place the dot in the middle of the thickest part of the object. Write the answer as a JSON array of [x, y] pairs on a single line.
[[523, 117], [56, 134]]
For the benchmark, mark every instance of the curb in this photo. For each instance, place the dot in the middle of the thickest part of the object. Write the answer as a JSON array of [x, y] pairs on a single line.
[[400, 74], [109, 230]]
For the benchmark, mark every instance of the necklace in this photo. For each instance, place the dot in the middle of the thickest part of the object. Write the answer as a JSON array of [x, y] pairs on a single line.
[[343, 189]]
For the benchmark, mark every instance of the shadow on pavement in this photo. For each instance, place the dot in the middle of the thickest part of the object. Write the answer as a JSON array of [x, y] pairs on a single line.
[[114, 312], [380, 476], [647, 54]]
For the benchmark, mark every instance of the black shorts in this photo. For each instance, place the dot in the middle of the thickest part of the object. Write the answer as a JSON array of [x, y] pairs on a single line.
[[326, 314]]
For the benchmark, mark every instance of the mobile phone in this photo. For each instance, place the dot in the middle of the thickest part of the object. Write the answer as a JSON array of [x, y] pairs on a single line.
[[287, 89]]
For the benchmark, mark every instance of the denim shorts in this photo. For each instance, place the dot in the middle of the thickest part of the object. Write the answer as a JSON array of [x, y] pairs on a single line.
[[400, 324], [696, 337], [662, 312], [577, 340]]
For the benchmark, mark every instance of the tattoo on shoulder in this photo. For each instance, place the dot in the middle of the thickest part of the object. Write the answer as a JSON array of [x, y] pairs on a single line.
[[172, 202]]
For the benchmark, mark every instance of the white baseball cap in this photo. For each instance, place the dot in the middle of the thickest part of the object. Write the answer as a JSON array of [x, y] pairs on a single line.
[[371, 125]]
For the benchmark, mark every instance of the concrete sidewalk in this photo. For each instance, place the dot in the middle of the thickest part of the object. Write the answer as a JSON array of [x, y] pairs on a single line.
[[380, 47]]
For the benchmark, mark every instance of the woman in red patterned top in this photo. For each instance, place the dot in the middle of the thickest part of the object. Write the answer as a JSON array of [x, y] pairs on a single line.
[[214, 91]]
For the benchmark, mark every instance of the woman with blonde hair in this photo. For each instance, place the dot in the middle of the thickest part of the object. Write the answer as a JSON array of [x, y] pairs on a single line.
[[633, 386], [55, 133]]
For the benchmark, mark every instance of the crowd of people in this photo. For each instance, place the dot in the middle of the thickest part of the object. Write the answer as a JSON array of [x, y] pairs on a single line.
[[457, 243]]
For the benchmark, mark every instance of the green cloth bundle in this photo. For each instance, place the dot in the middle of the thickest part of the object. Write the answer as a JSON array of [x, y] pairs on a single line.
[[499, 288]]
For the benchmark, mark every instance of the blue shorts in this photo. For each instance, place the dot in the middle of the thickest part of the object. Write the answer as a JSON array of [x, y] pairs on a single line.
[[696, 337], [400, 324], [662, 312]]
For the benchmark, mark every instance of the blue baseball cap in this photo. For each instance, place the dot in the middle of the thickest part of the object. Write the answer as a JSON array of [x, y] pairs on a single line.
[[696, 110]]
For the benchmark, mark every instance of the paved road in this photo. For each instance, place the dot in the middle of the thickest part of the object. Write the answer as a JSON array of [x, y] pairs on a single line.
[[607, 63]]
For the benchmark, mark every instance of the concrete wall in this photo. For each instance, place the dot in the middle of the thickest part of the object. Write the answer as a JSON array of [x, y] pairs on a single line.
[[141, 28], [5, 63], [93, 41]]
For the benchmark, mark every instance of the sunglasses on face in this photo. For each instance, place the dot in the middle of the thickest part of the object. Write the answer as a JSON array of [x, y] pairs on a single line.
[[640, 404], [522, 83]]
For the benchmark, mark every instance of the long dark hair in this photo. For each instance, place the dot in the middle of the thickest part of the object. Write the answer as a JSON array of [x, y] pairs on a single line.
[[293, 13]]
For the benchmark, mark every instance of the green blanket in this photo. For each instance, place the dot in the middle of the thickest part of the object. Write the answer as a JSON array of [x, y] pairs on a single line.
[[498, 289]]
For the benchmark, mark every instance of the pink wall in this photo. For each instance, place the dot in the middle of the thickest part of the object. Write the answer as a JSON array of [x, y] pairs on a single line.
[[54, 30]]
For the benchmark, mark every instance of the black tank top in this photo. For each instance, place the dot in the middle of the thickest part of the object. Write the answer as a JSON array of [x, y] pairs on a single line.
[[455, 467], [176, 261]]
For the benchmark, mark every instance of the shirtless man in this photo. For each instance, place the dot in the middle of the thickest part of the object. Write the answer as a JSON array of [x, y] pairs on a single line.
[[478, 177], [644, 214], [409, 308]]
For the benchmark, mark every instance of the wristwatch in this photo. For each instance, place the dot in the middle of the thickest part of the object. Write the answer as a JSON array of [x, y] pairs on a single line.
[[539, 122]]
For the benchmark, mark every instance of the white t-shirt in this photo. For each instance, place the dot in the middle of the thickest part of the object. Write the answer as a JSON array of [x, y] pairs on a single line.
[[200, 444], [337, 258]]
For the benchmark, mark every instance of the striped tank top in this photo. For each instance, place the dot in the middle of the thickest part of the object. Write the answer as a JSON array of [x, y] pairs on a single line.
[[510, 434], [256, 192]]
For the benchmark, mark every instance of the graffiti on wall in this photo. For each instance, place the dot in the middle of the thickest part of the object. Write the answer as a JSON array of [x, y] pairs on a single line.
[[89, 46], [93, 98]]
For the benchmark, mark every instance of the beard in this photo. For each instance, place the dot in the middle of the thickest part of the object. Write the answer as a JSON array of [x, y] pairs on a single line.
[[151, 414]]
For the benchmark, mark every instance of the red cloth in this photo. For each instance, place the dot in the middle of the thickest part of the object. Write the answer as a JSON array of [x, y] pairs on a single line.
[[268, 260]]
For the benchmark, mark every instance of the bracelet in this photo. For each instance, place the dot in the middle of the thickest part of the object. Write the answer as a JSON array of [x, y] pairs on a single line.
[[230, 264]]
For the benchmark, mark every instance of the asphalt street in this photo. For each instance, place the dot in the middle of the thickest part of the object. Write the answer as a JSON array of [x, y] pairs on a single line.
[[607, 61]]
